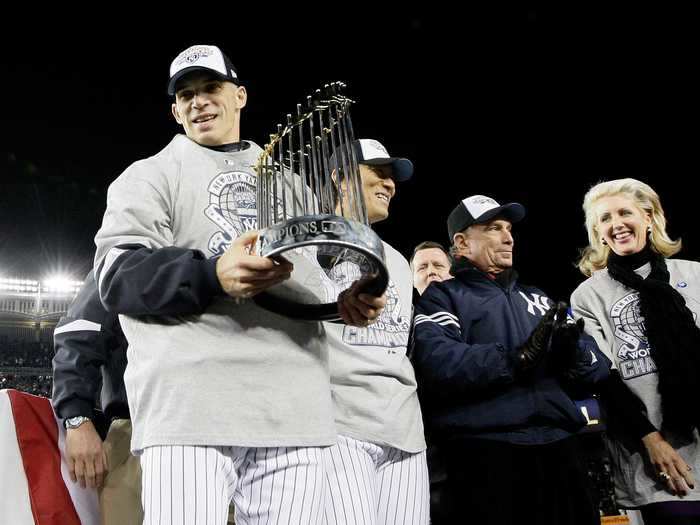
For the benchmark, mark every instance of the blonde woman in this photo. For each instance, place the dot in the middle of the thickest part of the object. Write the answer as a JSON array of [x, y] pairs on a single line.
[[641, 307]]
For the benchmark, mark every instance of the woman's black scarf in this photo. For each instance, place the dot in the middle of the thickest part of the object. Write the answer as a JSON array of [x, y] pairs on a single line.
[[674, 338]]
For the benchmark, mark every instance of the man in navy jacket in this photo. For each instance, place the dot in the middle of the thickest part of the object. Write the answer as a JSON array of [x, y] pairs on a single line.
[[498, 365], [89, 364]]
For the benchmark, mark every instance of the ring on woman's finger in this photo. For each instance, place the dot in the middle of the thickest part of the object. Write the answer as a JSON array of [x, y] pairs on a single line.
[[664, 476]]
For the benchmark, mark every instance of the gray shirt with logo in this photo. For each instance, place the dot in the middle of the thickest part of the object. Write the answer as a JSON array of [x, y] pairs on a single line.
[[372, 379], [611, 313], [232, 374]]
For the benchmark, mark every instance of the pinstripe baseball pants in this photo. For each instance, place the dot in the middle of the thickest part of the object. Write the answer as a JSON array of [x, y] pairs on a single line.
[[193, 485], [368, 484]]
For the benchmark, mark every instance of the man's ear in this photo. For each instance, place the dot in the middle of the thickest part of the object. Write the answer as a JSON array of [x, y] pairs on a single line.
[[176, 114], [343, 183], [461, 242], [242, 97]]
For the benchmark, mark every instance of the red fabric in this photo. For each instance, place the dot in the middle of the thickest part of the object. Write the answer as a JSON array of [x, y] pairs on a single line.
[[37, 435]]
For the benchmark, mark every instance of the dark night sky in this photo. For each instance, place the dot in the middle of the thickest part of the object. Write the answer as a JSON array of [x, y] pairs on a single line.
[[481, 102]]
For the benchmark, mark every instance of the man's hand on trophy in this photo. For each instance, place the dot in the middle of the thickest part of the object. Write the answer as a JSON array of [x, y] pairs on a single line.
[[360, 309], [244, 274]]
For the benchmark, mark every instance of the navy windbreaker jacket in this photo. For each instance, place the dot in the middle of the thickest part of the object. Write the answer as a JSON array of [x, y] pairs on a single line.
[[90, 359], [467, 331]]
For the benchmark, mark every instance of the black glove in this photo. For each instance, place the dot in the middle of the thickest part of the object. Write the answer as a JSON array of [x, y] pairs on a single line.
[[565, 336], [531, 353]]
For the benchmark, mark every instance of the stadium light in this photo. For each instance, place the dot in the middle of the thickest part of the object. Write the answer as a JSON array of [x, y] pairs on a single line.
[[61, 284], [56, 283], [18, 285]]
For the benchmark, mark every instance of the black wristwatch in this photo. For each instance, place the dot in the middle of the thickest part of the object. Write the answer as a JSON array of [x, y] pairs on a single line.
[[75, 422]]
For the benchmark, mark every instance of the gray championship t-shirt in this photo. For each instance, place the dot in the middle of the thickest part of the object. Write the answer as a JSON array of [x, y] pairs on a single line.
[[611, 313], [236, 375], [372, 379]]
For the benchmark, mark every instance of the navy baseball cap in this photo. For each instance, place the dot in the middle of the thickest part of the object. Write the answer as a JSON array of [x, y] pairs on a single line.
[[479, 209], [372, 152], [201, 58]]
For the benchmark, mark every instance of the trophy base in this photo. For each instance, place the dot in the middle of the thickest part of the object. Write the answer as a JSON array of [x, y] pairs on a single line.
[[329, 254]]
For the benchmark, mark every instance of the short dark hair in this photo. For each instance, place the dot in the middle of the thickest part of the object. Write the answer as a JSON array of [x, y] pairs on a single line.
[[429, 244]]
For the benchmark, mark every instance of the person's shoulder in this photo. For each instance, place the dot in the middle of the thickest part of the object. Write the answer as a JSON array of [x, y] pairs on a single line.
[[683, 264], [589, 285], [526, 287], [530, 288], [393, 253], [176, 150], [450, 287], [252, 147], [157, 165], [161, 156], [436, 294], [684, 268]]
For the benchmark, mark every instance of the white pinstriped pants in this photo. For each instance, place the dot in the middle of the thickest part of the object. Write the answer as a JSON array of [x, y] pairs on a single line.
[[193, 485], [370, 484]]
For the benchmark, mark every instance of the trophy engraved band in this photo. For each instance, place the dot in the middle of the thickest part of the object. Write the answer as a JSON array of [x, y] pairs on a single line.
[[311, 210]]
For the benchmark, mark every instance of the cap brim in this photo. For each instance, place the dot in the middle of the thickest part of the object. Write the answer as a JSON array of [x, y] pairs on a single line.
[[402, 168], [514, 212], [177, 76]]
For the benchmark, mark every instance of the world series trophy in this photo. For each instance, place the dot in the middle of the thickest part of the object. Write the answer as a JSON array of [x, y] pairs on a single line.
[[311, 211]]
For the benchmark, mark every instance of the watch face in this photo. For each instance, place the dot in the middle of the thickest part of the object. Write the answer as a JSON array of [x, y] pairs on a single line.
[[75, 422]]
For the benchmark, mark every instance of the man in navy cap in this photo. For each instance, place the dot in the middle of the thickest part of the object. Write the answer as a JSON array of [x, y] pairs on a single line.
[[215, 416], [496, 364]]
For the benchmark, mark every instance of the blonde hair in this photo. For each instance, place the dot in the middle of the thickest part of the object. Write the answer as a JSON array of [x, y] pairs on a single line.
[[595, 255]]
